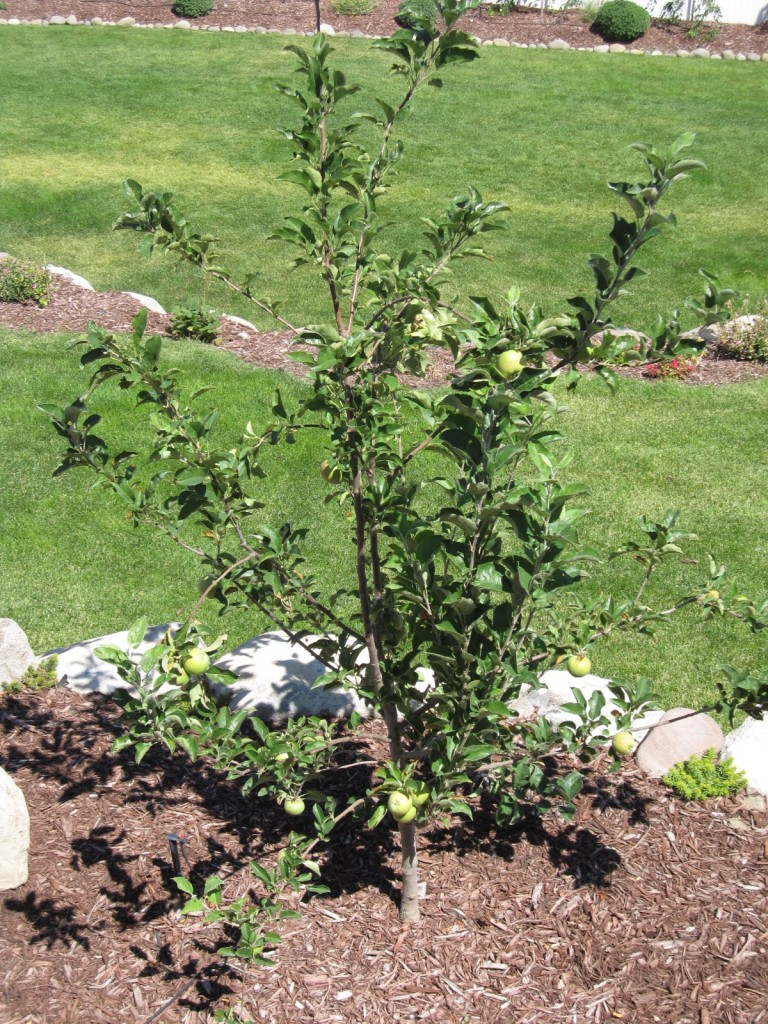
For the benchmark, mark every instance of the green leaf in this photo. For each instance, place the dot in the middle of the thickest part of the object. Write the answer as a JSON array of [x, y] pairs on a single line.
[[137, 632], [184, 884]]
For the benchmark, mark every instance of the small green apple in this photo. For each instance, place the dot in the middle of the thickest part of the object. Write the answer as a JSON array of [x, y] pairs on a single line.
[[404, 819], [331, 474], [510, 363], [282, 757], [400, 804], [419, 794], [181, 678], [579, 665], [196, 662], [623, 743], [294, 806]]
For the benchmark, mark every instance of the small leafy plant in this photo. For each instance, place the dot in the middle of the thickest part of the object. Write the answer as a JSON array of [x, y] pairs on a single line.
[[621, 21], [699, 14], [669, 369], [37, 677], [195, 322], [192, 8], [21, 281], [417, 14], [700, 778], [353, 7]]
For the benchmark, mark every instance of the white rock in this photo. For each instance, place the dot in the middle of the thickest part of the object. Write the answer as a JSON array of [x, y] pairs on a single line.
[[127, 22], [183, 24], [501, 42], [79, 669], [728, 55], [14, 834], [700, 51], [275, 679], [559, 44], [747, 745], [679, 734], [556, 688], [71, 19], [327, 30], [239, 320], [15, 653], [149, 303], [682, 53], [74, 278], [241, 28], [617, 48], [57, 20], [96, 21], [13, 21], [602, 48], [753, 56]]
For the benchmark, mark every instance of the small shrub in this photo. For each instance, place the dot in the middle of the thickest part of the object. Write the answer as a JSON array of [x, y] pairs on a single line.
[[21, 281], [352, 7], [37, 677], [499, 10], [413, 13], [671, 369], [745, 338], [192, 8], [196, 323], [3, 7], [621, 21], [590, 10], [700, 13], [699, 778]]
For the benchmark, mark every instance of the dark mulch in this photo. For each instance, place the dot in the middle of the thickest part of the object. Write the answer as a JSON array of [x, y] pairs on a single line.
[[71, 308], [523, 25], [642, 909]]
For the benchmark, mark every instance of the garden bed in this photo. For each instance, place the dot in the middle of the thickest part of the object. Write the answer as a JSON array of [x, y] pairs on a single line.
[[642, 909]]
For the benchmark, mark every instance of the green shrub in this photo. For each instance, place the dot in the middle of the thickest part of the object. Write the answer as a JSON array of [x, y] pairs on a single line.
[[37, 677], [353, 6], [621, 21], [699, 778], [415, 13], [192, 8], [746, 338], [23, 282], [196, 323], [3, 6]]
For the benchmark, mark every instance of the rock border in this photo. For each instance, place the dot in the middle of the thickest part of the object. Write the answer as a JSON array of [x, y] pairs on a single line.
[[555, 44]]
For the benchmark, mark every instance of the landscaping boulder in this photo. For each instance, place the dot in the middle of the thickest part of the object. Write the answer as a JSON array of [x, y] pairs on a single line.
[[679, 734], [14, 834], [79, 669], [15, 653], [748, 746], [275, 679]]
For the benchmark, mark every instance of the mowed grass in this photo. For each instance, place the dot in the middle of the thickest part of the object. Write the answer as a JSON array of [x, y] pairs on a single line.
[[195, 113], [73, 565]]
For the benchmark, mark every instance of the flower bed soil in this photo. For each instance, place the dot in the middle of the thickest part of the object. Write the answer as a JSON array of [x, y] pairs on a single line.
[[643, 909], [71, 308], [522, 25]]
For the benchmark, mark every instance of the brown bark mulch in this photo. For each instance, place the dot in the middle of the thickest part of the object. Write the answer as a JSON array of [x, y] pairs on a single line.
[[643, 909], [71, 308], [524, 24]]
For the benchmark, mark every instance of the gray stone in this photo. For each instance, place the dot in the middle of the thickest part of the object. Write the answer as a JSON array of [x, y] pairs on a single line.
[[96, 21], [240, 28], [765, 56], [37, 21], [14, 834], [73, 278], [728, 55], [617, 48], [682, 53], [57, 20], [602, 48], [227, 28], [126, 21], [747, 745], [327, 29], [755, 802], [275, 679], [183, 24], [741, 56], [79, 669], [71, 19], [559, 44], [214, 28], [501, 42], [15, 653], [149, 303], [3, 21], [753, 56], [700, 51], [239, 320], [715, 56], [680, 733], [13, 21]]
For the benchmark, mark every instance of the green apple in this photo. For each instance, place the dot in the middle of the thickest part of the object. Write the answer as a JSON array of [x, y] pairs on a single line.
[[294, 806], [399, 805], [404, 819], [207, 583], [181, 678], [623, 743], [579, 665], [419, 794], [331, 474], [196, 662], [282, 757], [510, 363]]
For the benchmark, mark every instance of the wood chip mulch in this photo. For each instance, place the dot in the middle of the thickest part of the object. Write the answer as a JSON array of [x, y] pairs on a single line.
[[643, 909], [70, 308]]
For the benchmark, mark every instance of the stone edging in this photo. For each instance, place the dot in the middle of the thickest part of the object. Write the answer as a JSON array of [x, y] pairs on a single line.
[[555, 44]]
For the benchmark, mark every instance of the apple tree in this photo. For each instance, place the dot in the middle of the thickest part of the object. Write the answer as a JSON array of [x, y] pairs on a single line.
[[465, 577]]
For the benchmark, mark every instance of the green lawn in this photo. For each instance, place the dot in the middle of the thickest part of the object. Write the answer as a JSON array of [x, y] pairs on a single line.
[[74, 566], [195, 113]]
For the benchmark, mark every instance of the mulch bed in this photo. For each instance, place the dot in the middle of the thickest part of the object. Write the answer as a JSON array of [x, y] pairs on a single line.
[[71, 308], [642, 909], [522, 25]]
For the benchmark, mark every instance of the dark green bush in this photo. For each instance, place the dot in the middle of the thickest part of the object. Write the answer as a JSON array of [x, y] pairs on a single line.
[[192, 8], [621, 21], [23, 282], [413, 13], [195, 322]]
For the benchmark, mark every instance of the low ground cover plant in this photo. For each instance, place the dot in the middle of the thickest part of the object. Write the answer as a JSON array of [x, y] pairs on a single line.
[[621, 21], [22, 281], [672, 369], [36, 677], [745, 334], [192, 8], [453, 507], [195, 322], [353, 7], [703, 777]]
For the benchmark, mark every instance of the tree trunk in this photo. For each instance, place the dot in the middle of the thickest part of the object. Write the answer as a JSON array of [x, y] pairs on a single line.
[[409, 900]]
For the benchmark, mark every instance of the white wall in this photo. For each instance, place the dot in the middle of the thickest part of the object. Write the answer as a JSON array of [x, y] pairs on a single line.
[[737, 12]]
